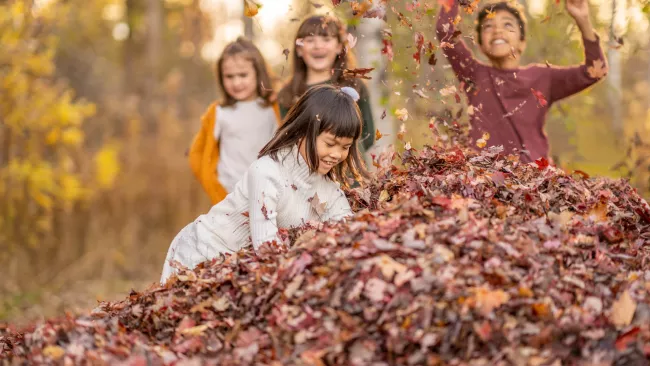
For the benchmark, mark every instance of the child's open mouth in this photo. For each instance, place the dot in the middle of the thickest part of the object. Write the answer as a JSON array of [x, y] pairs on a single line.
[[499, 41], [328, 164]]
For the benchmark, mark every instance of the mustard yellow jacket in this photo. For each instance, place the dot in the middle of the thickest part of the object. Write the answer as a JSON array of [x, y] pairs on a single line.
[[204, 154]]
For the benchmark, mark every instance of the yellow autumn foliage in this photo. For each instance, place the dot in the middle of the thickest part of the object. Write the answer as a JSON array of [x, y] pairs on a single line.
[[42, 131]]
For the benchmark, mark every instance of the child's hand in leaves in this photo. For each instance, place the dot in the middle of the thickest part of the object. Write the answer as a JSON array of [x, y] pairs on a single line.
[[578, 9]]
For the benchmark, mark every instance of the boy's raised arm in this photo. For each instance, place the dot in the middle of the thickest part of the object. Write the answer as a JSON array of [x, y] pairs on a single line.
[[570, 80], [459, 56]]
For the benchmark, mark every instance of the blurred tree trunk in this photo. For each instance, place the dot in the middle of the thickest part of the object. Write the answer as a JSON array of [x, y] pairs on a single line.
[[129, 50], [154, 43], [614, 79]]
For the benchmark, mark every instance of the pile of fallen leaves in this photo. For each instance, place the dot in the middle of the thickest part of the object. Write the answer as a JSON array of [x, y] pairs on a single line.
[[455, 258]]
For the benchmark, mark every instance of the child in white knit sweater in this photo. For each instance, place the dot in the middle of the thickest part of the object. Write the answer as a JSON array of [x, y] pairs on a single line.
[[295, 180]]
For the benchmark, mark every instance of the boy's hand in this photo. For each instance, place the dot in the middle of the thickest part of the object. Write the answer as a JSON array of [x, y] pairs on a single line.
[[579, 10]]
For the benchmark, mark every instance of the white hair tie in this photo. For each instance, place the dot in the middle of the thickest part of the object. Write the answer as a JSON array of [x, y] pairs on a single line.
[[351, 92]]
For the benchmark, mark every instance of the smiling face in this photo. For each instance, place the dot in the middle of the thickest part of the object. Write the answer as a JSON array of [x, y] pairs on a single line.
[[501, 37], [319, 52], [331, 151], [239, 78]]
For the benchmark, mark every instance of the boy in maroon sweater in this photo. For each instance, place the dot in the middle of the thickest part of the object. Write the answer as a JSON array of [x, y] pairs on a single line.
[[508, 101]]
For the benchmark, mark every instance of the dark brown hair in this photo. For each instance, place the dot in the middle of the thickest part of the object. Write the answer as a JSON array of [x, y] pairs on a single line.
[[242, 47], [317, 25], [323, 108], [511, 7]]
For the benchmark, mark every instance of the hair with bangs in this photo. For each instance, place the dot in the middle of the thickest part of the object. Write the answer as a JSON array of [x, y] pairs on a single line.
[[318, 25], [322, 108], [511, 7], [242, 47]]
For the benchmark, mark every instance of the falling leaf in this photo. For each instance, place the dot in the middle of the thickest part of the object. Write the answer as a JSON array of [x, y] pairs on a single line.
[[542, 163], [387, 49], [481, 143], [378, 135], [402, 114], [598, 70], [541, 100], [300, 42], [251, 8], [286, 53], [421, 94], [407, 146], [383, 114], [361, 73], [419, 46], [352, 41], [448, 90], [623, 310]]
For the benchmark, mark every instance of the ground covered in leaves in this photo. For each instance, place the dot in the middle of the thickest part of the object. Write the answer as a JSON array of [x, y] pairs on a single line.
[[456, 258]]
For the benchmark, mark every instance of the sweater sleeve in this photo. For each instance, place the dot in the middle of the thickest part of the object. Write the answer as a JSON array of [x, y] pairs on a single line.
[[460, 58], [340, 207], [368, 131], [264, 192], [566, 81]]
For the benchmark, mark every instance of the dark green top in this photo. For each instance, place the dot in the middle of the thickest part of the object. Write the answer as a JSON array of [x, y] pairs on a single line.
[[368, 130]]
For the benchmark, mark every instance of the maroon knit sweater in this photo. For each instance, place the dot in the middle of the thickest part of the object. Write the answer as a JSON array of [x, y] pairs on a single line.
[[507, 103]]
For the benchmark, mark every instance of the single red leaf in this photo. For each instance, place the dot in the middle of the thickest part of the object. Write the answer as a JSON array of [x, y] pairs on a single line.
[[542, 163], [540, 97]]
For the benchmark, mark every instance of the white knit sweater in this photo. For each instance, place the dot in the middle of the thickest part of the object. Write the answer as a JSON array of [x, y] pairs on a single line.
[[271, 195]]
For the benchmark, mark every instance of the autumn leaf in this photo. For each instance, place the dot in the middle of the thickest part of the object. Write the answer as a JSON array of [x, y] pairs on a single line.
[[286, 53], [352, 41], [251, 8], [542, 163], [317, 205], [419, 46], [598, 70], [53, 352], [378, 135], [541, 100], [483, 140], [402, 114], [623, 310], [485, 300], [361, 73]]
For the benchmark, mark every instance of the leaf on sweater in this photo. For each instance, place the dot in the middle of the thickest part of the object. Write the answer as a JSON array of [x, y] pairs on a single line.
[[317, 205], [541, 100], [265, 211], [598, 70]]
